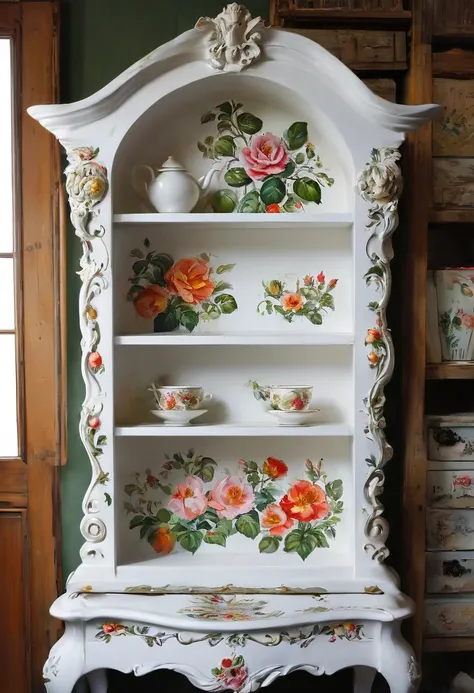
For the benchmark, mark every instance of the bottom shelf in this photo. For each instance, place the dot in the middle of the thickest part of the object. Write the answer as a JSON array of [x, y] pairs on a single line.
[[222, 430]]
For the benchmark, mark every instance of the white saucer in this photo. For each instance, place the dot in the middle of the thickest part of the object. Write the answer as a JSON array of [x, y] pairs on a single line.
[[178, 418], [295, 418]]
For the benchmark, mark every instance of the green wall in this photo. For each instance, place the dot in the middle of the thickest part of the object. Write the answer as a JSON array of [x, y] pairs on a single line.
[[100, 39]]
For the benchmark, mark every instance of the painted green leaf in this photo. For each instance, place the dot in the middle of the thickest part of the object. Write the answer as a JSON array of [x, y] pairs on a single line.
[[310, 153], [213, 537], [251, 204], [224, 201], [325, 178], [375, 270], [334, 489], [202, 148], [319, 537], [108, 499], [297, 135], [189, 319], [208, 117], [263, 498], [224, 125], [249, 123], [225, 268], [226, 303], [224, 146], [315, 317], [237, 177], [299, 158], [163, 515], [222, 286], [140, 266], [206, 473], [224, 526], [208, 141], [137, 252], [289, 169], [292, 204], [136, 521], [102, 440], [301, 542], [248, 526], [191, 540], [130, 488], [307, 189], [273, 191], [225, 107], [269, 544]]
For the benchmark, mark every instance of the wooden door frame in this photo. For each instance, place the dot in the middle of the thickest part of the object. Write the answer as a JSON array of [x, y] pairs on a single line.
[[30, 483]]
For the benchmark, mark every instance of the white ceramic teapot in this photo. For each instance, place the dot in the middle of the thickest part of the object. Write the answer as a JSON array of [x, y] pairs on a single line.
[[173, 190]]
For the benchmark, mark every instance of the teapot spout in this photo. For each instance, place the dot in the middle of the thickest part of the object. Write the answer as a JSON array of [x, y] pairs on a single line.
[[205, 181]]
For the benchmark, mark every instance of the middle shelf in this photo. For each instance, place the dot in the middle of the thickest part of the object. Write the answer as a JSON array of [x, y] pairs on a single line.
[[237, 339], [235, 430]]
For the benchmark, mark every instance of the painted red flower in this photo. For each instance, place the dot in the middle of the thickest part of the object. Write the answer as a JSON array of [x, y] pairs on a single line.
[[273, 209], [332, 283], [274, 468], [226, 663], [95, 360], [321, 278], [305, 501], [94, 422]]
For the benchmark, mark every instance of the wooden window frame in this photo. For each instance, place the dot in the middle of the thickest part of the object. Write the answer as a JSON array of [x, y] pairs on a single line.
[[29, 484]]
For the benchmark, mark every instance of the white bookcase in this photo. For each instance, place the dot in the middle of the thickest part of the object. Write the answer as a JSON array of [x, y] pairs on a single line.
[[306, 161]]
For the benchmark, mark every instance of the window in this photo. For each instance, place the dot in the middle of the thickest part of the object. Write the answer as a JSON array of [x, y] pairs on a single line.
[[8, 337]]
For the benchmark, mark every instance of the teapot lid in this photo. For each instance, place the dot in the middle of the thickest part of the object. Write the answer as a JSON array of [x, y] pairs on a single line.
[[171, 164]]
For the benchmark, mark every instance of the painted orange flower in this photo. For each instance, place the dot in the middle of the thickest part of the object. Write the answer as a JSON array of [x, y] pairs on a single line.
[[112, 627], [276, 520], [95, 360], [372, 336], [373, 358], [332, 283], [308, 280], [163, 540], [273, 209], [292, 301], [274, 468], [151, 301], [189, 279], [305, 501]]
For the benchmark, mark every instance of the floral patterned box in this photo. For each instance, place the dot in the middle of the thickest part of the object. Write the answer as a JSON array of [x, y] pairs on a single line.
[[450, 572], [450, 530], [450, 489], [449, 617], [451, 437]]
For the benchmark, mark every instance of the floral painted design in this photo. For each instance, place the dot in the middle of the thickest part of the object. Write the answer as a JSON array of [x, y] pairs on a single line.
[[290, 400], [232, 673], [264, 172], [348, 631], [445, 437], [214, 607], [374, 339], [310, 299], [452, 323], [300, 516], [178, 293]]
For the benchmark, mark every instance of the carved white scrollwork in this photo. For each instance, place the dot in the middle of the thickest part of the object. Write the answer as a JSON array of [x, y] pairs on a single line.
[[380, 184], [87, 185], [234, 38]]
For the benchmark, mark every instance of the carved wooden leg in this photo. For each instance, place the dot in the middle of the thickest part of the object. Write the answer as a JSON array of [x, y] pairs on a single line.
[[397, 661], [363, 679], [98, 681], [65, 664]]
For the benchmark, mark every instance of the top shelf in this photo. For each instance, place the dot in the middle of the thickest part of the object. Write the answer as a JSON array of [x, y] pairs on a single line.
[[340, 220]]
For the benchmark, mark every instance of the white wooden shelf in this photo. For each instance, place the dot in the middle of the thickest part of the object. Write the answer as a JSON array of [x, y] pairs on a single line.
[[340, 220], [250, 339], [237, 430]]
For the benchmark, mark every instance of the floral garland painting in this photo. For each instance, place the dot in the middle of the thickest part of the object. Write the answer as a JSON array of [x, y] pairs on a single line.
[[310, 300], [231, 673], [254, 501], [215, 607], [264, 172], [178, 293]]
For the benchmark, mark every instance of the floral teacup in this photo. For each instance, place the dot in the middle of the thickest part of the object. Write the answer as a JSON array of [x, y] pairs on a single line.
[[291, 397], [179, 397]]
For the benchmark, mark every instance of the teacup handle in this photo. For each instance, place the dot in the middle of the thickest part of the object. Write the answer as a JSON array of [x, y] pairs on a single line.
[[141, 182], [207, 397]]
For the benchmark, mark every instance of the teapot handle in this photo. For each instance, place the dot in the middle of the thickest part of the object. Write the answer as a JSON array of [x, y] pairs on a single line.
[[142, 177]]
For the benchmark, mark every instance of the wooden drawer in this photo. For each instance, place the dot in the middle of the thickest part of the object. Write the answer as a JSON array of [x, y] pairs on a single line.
[[451, 438], [345, 4], [453, 18], [450, 489], [453, 182], [449, 530], [450, 572], [449, 617], [453, 134]]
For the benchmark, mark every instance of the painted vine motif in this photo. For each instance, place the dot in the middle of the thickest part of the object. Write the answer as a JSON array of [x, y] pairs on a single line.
[[215, 607], [246, 503], [310, 300], [178, 293], [264, 172], [350, 632]]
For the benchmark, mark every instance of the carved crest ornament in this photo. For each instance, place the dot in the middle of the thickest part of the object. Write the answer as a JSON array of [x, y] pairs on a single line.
[[234, 38]]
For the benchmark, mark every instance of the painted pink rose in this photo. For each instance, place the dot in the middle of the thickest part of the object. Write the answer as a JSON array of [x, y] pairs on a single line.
[[188, 500], [231, 497], [468, 321], [276, 520], [234, 678], [266, 156]]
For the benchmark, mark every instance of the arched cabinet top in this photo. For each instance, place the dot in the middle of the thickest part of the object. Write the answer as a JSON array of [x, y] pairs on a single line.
[[273, 52]]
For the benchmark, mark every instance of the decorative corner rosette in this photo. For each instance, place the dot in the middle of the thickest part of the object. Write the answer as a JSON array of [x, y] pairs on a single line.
[[234, 38], [87, 185], [380, 184]]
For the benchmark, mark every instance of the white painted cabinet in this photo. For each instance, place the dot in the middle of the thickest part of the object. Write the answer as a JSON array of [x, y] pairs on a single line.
[[258, 530]]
